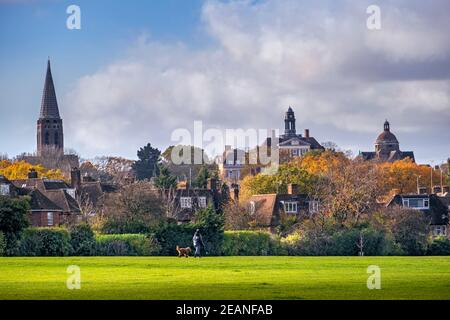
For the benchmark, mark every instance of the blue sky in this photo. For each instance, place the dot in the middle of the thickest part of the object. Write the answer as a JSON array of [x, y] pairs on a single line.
[[33, 30], [137, 70]]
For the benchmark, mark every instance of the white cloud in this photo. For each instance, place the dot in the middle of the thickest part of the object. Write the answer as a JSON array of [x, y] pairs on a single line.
[[268, 55]]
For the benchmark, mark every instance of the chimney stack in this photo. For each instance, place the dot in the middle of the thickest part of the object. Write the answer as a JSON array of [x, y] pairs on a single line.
[[422, 190], [235, 193], [212, 184], [306, 133], [75, 178], [32, 174], [292, 188]]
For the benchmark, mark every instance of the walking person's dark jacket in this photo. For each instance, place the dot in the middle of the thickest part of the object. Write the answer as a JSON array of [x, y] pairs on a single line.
[[198, 243]]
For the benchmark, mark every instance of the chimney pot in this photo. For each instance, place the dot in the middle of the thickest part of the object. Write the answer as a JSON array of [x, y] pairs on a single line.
[[32, 174], [306, 133], [292, 188]]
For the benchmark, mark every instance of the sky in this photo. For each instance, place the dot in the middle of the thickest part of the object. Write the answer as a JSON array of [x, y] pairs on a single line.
[[138, 70]]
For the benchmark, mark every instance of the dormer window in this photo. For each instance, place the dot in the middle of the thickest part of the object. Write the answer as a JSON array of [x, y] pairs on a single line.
[[416, 203], [290, 206]]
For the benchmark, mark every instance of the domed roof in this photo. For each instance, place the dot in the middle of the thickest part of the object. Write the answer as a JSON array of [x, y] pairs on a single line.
[[386, 136]]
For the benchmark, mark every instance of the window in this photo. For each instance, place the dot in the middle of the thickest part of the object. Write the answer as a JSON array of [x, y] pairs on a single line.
[[295, 152], [47, 138], [50, 218], [290, 207], [201, 202], [252, 207], [4, 189], [439, 231], [56, 138], [313, 206], [416, 203], [186, 202]]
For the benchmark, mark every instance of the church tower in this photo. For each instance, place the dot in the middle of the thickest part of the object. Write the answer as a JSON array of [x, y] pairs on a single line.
[[289, 123], [50, 136]]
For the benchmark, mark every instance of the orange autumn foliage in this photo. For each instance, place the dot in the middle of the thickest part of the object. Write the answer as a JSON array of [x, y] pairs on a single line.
[[405, 176]]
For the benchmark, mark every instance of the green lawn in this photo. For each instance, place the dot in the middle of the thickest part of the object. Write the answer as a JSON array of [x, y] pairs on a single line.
[[225, 278]]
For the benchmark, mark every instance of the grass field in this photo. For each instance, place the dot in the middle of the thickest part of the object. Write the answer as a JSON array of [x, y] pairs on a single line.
[[225, 278]]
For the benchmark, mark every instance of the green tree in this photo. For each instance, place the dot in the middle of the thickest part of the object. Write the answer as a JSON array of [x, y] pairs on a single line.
[[147, 165], [165, 180], [13, 219], [201, 181], [211, 225]]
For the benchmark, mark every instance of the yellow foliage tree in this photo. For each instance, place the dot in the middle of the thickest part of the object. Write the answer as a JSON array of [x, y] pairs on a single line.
[[19, 170]]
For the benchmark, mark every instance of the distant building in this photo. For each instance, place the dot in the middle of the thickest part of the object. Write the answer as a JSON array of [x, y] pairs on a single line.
[[387, 148], [50, 135], [56, 202], [268, 209], [231, 164], [291, 144], [52, 202], [433, 206], [188, 200]]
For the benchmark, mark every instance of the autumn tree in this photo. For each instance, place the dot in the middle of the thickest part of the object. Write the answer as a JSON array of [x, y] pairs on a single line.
[[19, 170], [132, 209], [405, 176]]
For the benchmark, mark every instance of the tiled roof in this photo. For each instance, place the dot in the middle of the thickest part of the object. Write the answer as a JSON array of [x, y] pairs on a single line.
[[40, 202], [63, 200]]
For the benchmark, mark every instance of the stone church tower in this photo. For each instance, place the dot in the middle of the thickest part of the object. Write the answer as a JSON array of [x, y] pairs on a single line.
[[50, 137]]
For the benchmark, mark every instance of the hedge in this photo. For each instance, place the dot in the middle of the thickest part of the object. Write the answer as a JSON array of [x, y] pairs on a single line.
[[126, 245], [439, 247], [45, 242], [2, 244], [170, 235], [82, 240], [251, 243]]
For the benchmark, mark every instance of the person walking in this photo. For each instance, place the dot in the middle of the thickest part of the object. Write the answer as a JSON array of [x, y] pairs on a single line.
[[198, 243]]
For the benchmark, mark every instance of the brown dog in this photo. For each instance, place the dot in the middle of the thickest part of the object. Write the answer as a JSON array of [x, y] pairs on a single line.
[[183, 252]]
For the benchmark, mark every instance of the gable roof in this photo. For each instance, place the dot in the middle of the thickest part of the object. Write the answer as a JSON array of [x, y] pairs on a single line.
[[63, 200], [294, 141], [39, 202], [264, 207]]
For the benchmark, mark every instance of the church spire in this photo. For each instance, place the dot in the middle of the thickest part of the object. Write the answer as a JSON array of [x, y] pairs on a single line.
[[49, 105], [50, 135]]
